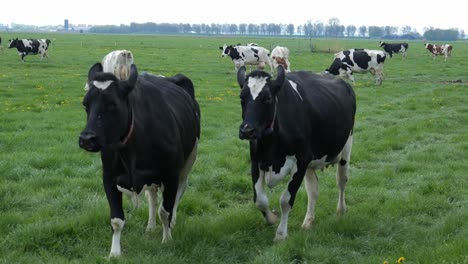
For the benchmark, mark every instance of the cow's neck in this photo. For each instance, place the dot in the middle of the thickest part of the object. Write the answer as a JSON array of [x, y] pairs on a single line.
[[130, 129], [131, 126]]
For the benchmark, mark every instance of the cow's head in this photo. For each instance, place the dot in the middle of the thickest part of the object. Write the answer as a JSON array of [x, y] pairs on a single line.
[[382, 44], [225, 50], [12, 43], [258, 101], [109, 115], [335, 67]]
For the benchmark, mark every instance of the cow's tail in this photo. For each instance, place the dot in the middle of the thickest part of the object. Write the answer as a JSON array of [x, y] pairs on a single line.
[[184, 82]]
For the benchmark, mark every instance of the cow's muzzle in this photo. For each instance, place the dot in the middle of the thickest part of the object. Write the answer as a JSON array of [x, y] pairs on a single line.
[[247, 132], [88, 141]]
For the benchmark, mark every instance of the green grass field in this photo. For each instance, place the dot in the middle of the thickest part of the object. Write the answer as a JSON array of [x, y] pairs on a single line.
[[407, 195]]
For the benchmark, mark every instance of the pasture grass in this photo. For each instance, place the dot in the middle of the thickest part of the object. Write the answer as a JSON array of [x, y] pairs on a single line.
[[407, 194]]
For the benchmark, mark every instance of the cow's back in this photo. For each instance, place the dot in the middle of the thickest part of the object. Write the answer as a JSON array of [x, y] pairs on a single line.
[[330, 109], [168, 111]]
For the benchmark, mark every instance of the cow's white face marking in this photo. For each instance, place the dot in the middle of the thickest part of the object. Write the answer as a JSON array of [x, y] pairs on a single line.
[[102, 85], [294, 86], [256, 85]]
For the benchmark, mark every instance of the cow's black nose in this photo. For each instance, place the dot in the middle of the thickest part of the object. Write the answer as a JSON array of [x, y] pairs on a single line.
[[246, 131], [88, 141]]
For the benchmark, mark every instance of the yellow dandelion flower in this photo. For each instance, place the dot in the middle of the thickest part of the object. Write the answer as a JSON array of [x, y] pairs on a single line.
[[385, 262], [401, 260]]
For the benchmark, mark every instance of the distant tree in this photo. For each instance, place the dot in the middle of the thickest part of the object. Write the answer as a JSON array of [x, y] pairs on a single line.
[[375, 32], [362, 31], [334, 29], [320, 28], [264, 28], [462, 34], [253, 29], [389, 30], [406, 30], [232, 29], [215, 28], [242, 29], [290, 29], [197, 28], [441, 34], [300, 30], [350, 30], [307, 29]]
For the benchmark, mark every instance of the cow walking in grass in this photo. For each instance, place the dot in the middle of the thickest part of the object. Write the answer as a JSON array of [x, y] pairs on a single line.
[[347, 62], [147, 130], [391, 48], [296, 124], [247, 55], [30, 46]]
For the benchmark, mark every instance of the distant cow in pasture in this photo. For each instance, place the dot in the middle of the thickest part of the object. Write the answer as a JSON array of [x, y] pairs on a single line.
[[391, 48], [147, 129], [296, 124], [117, 62], [280, 56], [347, 62], [435, 50], [30, 46], [247, 55]]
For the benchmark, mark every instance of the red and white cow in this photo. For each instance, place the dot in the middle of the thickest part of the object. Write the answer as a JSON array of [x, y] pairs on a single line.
[[247, 55], [280, 56], [117, 62], [435, 49], [358, 60]]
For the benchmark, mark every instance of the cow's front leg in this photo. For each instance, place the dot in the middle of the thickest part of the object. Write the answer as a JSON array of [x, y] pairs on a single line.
[[114, 197], [287, 200], [260, 197]]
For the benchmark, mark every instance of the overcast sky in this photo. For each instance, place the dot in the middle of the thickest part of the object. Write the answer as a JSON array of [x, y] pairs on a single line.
[[414, 13]]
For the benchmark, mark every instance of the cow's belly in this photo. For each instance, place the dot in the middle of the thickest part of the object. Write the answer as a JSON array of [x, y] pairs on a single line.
[[137, 182], [322, 163]]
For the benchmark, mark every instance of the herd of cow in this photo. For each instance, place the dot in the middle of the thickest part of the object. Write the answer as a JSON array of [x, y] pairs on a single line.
[[344, 64], [147, 127]]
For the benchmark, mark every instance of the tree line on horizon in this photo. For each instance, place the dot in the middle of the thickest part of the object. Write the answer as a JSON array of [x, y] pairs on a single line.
[[310, 29]]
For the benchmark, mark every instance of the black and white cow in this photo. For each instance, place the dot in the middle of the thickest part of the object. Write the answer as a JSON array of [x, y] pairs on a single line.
[[391, 48], [247, 55], [296, 124], [358, 60], [30, 46], [147, 130]]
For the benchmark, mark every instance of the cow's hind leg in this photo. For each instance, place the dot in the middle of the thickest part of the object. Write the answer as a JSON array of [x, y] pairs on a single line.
[[152, 195], [342, 175], [172, 194], [311, 186]]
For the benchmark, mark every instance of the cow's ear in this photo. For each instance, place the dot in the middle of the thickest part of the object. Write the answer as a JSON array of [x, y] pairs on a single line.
[[221, 48], [96, 68], [278, 82], [130, 83], [241, 76]]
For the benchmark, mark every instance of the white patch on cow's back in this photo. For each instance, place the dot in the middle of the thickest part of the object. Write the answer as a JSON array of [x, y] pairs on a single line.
[[102, 85], [256, 85], [294, 86]]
